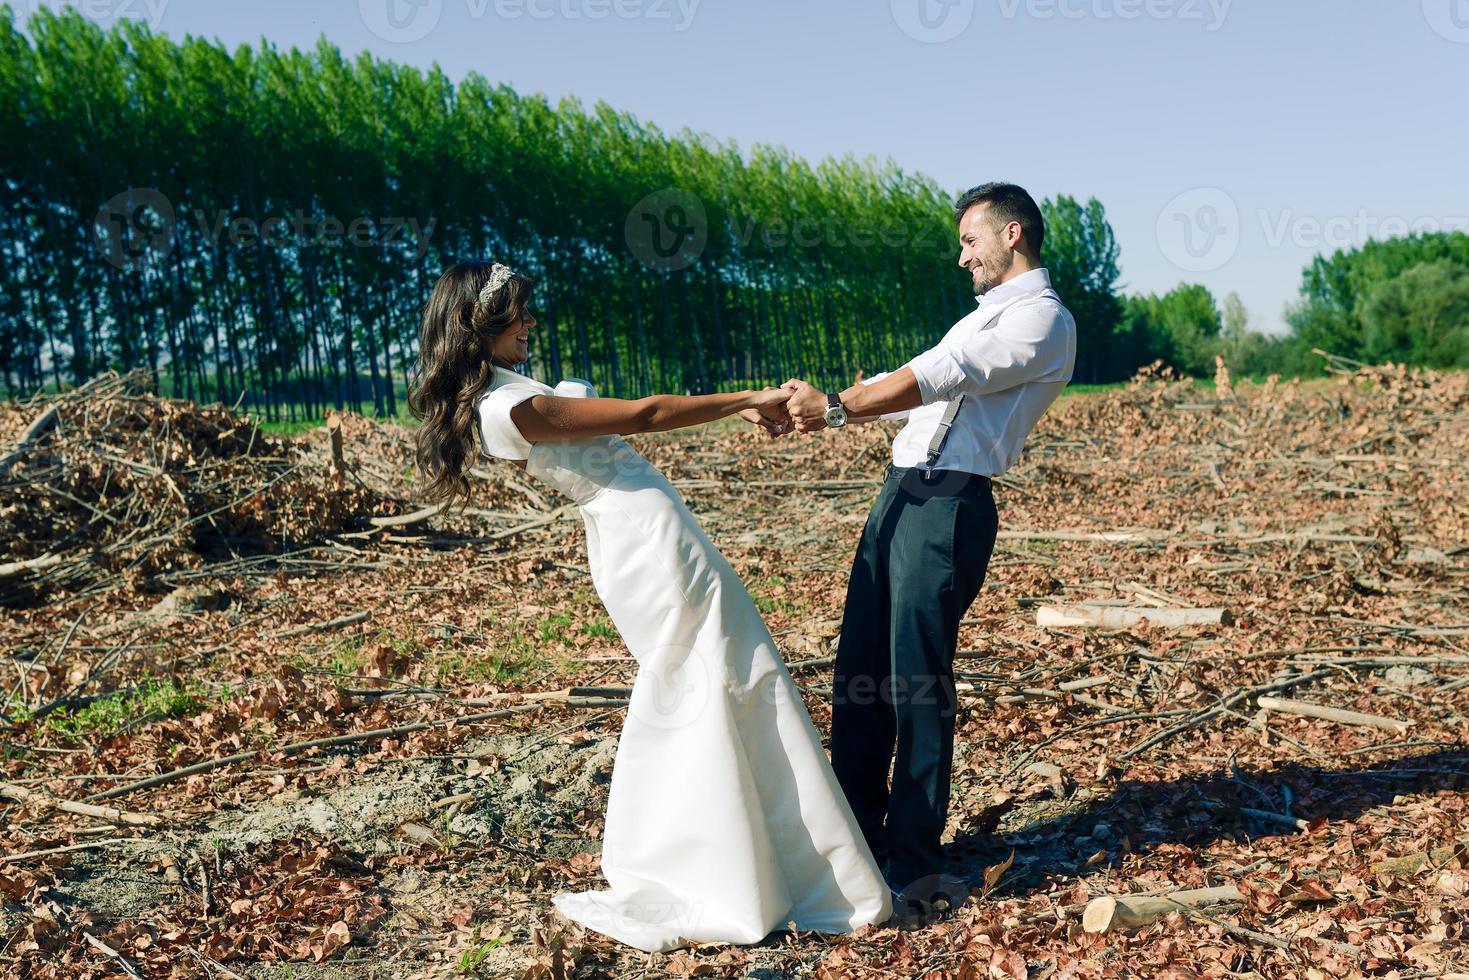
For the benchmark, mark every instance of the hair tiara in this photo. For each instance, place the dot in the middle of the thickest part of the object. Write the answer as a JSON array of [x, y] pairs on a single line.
[[499, 276]]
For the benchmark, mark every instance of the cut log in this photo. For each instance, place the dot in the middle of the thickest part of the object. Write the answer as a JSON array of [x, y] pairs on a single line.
[[1139, 535], [1288, 707], [1133, 912], [1121, 617]]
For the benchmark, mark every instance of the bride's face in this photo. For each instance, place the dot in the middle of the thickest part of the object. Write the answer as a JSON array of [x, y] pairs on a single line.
[[513, 346]]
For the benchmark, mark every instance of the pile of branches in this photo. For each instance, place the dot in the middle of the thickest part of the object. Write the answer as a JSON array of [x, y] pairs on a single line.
[[110, 484]]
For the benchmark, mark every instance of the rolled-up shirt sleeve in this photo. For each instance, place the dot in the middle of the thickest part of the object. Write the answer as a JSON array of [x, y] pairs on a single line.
[[1031, 342], [888, 416]]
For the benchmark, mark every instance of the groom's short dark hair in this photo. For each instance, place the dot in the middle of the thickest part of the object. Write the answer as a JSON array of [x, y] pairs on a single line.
[[1007, 203]]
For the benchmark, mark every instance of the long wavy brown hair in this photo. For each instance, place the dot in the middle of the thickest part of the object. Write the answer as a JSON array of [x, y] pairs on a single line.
[[453, 369]]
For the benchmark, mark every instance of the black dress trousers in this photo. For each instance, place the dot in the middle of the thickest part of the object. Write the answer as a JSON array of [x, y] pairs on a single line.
[[919, 565]]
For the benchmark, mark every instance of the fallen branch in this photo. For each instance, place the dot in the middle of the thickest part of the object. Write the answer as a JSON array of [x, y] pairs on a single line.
[[403, 520], [1045, 692], [1223, 706], [328, 625], [122, 961], [299, 747], [30, 565], [33, 432], [550, 518], [1295, 823], [572, 694], [1413, 863], [89, 846], [1288, 707]]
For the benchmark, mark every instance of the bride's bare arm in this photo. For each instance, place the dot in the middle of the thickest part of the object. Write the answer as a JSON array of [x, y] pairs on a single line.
[[547, 417]]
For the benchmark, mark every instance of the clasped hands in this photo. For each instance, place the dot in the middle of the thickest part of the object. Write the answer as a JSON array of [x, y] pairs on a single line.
[[794, 406]]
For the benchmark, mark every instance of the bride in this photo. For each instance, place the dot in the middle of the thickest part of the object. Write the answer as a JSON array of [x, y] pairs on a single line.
[[724, 819]]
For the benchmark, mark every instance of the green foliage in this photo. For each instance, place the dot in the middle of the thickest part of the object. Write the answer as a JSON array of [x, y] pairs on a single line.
[[554, 628], [151, 701], [1182, 326], [809, 269], [472, 958], [1081, 254], [1399, 299], [310, 199], [1420, 316], [511, 665]]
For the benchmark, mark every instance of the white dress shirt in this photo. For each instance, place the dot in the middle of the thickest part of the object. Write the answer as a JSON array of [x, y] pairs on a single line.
[[1011, 357]]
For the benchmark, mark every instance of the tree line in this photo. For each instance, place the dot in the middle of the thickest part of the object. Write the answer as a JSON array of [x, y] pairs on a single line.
[[265, 225]]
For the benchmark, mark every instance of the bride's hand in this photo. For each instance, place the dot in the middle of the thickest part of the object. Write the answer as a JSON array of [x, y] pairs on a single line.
[[770, 411]]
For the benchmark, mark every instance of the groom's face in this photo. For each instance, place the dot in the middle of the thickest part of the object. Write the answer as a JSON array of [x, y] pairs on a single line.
[[982, 250]]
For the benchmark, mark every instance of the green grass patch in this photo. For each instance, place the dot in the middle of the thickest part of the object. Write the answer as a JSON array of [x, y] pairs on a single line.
[[600, 628], [510, 665], [782, 601], [150, 701], [555, 629], [343, 657]]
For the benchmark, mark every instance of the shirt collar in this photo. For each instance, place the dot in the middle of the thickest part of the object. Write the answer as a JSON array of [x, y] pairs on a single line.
[[1027, 282], [502, 376]]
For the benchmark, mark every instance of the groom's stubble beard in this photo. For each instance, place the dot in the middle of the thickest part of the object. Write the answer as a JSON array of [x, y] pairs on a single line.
[[995, 266]]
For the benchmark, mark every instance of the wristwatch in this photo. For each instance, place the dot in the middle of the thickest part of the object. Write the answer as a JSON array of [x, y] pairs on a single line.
[[836, 416]]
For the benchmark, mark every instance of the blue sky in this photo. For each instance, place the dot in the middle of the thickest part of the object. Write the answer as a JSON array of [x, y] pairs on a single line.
[[1230, 140]]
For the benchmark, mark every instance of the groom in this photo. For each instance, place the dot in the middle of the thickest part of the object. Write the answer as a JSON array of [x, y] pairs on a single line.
[[969, 403]]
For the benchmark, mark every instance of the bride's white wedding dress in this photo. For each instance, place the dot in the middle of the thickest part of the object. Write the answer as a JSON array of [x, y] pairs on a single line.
[[724, 819]]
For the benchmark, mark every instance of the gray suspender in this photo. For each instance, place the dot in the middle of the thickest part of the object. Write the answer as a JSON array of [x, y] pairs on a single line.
[[941, 434]]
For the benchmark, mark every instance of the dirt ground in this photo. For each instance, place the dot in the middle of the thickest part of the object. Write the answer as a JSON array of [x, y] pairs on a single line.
[[1327, 520]]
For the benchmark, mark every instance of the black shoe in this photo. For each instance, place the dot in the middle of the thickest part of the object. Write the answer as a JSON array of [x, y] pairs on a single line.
[[929, 899]]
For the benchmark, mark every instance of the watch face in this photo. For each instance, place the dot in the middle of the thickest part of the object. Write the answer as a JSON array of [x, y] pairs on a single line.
[[836, 416]]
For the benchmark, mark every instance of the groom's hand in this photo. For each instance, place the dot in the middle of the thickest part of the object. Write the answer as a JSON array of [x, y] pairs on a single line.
[[807, 405]]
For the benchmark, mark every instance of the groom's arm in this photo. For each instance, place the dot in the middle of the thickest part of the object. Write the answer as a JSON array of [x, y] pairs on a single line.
[[898, 392]]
